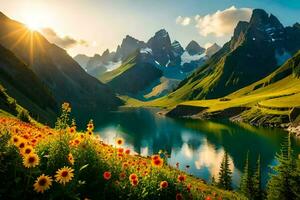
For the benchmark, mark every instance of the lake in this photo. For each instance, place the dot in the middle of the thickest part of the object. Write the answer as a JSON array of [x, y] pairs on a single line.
[[199, 144]]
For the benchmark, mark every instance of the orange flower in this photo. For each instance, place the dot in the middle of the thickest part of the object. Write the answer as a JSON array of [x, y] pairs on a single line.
[[27, 150], [127, 151], [134, 182], [133, 177], [181, 178], [71, 159], [72, 129], [164, 184], [208, 198], [179, 196], [155, 157], [106, 175], [157, 162], [120, 150]]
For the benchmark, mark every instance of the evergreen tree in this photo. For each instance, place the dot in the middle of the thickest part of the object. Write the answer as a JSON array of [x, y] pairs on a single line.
[[246, 183], [257, 192], [213, 181], [281, 183], [225, 174]]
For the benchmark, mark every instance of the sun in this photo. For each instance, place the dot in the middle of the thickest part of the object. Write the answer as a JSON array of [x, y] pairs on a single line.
[[33, 23]]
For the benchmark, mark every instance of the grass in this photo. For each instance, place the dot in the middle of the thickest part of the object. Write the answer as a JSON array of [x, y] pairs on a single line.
[[93, 169]]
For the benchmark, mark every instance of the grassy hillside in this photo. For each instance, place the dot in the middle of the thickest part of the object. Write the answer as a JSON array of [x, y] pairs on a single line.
[[133, 76], [271, 99], [21, 83]]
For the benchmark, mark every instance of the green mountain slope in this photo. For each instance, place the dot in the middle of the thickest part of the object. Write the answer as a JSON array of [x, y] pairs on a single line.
[[273, 100], [57, 70], [133, 76], [256, 49], [22, 84]]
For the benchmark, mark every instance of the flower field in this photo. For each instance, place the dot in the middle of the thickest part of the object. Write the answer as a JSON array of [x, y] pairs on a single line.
[[38, 162]]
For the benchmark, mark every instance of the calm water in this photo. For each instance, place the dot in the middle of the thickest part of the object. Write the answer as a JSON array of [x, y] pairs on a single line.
[[200, 144]]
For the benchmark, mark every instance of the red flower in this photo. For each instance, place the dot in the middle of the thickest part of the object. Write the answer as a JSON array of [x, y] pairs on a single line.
[[181, 178], [133, 177], [127, 151], [208, 198], [106, 175]]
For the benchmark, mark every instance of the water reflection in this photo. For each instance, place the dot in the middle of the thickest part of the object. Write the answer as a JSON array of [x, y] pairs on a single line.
[[199, 144]]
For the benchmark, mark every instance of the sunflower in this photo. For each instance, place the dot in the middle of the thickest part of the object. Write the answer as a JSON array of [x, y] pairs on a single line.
[[42, 183], [64, 175], [71, 159], [90, 126], [72, 129], [119, 141], [21, 144], [31, 160], [157, 162], [15, 140], [164, 184], [27, 150]]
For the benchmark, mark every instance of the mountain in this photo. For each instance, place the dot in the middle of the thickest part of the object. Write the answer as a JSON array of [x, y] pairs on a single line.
[[82, 60], [194, 48], [63, 76], [21, 83], [212, 50], [129, 46], [134, 75], [255, 50], [273, 100]]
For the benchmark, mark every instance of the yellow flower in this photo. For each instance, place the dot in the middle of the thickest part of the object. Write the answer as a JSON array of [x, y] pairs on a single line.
[[31, 160], [119, 141], [27, 150], [64, 175], [15, 140], [42, 183], [90, 126], [72, 129], [157, 162], [71, 159]]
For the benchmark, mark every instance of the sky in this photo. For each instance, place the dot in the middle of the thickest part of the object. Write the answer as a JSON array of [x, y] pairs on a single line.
[[91, 26]]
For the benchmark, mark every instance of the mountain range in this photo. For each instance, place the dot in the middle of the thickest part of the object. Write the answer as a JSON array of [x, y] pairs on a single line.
[[167, 64]]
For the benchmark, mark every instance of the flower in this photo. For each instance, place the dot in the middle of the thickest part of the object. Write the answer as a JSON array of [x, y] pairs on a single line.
[[71, 159], [64, 175], [72, 129], [134, 182], [181, 178], [208, 198], [66, 107], [119, 141], [157, 162], [15, 140], [133, 177], [163, 184], [179, 196], [155, 157], [90, 126], [27, 150], [42, 183], [122, 175], [31, 160], [21, 144], [106, 175], [127, 151]]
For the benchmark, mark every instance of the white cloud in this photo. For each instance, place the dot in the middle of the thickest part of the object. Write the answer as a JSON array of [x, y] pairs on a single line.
[[222, 22], [184, 21], [64, 42]]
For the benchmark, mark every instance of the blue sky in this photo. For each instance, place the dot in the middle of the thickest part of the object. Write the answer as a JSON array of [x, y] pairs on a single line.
[[95, 25]]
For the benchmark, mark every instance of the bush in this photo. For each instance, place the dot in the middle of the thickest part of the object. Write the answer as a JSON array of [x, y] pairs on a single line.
[[24, 116]]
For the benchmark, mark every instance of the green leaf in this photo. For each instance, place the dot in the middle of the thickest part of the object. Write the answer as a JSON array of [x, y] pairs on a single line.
[[83, 167]]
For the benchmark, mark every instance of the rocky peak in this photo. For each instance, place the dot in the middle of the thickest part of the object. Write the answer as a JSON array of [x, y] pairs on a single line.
[[176, 47], [106, 53], [194, 48], [212, 49]]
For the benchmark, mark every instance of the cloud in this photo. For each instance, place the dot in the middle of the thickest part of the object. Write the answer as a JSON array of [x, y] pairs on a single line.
[[207, 45], [64, 42], [222, 22], [184, 21]]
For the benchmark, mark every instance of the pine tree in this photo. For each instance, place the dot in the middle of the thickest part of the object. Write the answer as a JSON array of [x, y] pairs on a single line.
[[281, 185], [257, 192], [225, 174], [246, 183]]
